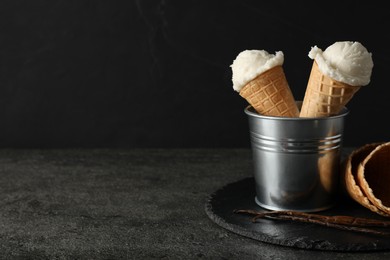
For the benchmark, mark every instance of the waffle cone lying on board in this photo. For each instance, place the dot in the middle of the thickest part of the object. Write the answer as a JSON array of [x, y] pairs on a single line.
[[374, 177], [367, 176], [325, 96], [337, 74], [269, 94], [259, 78]]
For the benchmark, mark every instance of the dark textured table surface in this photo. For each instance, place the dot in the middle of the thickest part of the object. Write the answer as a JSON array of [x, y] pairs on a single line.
[[127, 204]]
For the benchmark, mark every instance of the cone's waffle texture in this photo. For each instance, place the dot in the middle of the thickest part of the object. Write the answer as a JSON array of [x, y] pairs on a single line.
[[325, 96], [350, 179], [269, 94], [374, 177]]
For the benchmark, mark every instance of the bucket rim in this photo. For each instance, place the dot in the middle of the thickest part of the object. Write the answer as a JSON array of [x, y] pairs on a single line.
[[249, 110]]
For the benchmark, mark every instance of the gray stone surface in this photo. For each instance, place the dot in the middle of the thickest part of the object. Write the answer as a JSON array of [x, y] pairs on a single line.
[[126, 204]]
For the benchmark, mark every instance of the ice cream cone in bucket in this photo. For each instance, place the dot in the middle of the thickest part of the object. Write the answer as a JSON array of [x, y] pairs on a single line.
[[269, 94], [337, 74], [325, 96], [350, 181], [259, 78], [373, 175]]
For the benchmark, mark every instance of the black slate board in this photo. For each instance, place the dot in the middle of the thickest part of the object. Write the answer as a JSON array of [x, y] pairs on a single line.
[[240, 195]]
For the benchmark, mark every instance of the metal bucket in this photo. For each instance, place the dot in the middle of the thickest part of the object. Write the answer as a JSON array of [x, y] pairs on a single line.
[[296, 160]]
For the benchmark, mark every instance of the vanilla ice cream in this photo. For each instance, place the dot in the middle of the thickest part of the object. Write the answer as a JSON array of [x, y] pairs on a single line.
[[345, 61], [251, 63]]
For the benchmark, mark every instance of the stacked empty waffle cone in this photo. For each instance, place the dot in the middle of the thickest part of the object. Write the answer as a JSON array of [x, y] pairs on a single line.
[[366, 177], [336, 75]]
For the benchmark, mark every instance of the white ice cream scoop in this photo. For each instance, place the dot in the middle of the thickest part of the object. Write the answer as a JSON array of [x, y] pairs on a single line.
[[251, 63], [345, 61]]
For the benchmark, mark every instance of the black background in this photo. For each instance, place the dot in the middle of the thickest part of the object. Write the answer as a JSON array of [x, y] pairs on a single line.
[[156, 73]]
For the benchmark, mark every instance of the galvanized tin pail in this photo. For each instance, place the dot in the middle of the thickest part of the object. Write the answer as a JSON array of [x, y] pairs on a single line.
[[296, 160]]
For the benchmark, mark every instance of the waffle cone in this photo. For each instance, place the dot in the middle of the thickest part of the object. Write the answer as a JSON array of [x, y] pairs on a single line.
[[373, 175], [350, 178], [325, 96], [269, 94]]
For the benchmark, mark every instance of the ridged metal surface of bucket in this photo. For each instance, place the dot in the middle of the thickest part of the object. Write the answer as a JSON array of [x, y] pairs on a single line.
[[296, 160]]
